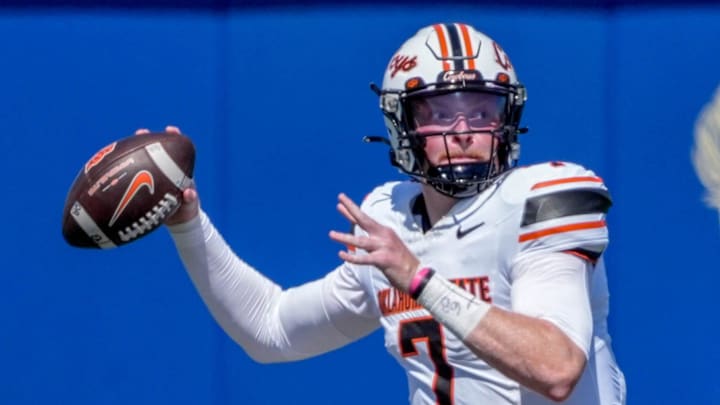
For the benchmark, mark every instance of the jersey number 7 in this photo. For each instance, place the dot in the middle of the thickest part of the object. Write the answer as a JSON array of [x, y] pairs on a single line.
[[426, 329]]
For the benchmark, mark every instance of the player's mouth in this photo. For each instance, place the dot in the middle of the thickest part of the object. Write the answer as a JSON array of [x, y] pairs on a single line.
[[462, 158]]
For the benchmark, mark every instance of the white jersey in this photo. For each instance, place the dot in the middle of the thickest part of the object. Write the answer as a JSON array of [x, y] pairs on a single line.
[[554, 207], [479, 245]]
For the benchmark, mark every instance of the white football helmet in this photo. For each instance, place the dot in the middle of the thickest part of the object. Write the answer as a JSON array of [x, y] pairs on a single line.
[[455, 65]]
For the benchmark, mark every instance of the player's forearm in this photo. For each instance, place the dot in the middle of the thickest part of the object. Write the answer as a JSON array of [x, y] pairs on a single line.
[[270, 324], [239, 298], [532, 351]]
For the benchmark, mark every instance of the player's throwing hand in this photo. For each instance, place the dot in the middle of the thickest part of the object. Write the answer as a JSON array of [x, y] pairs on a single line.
[[190, 207]]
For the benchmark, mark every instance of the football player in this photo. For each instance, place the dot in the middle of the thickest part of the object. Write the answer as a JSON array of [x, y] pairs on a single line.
[[487, 278]]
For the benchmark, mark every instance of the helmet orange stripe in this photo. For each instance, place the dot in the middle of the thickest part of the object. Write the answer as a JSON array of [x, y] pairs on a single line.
[[468, 46], [566, 180], [560, 229], [443, 45]]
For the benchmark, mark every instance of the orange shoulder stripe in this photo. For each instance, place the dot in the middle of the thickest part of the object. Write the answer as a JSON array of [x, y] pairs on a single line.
[[555, 182], [560, 229]]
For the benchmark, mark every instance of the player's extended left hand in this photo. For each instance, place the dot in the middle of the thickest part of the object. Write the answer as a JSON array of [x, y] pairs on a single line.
[[384, 248]]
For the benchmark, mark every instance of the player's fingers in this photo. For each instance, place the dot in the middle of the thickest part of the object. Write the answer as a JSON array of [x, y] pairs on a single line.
[[346, 214], [360, 218], [356, 259], [190, 196], [188, 210], [172, 129], [341, 238], [142, 131], [360, 242]]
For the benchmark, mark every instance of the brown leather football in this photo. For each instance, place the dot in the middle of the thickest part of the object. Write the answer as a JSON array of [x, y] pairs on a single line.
[[127, 190]]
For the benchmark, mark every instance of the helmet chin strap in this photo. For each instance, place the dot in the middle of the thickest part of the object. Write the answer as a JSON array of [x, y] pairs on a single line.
[[459, 180]]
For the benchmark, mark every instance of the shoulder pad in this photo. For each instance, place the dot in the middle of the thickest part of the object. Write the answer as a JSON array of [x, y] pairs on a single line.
[[384, 197], [526, 181], [389, 203], [564, 208]]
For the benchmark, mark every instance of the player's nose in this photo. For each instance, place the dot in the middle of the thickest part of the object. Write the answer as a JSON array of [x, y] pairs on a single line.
[[465, 137]]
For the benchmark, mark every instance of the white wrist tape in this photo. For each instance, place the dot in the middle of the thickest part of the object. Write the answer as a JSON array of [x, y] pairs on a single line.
[[452, 306]]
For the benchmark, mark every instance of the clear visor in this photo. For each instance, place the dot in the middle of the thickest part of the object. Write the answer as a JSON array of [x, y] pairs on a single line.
[[478, 110]]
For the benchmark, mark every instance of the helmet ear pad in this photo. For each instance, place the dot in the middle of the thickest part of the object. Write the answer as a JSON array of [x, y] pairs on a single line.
[[417, 144]]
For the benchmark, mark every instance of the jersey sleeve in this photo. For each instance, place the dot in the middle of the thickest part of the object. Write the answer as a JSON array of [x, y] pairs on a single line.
[[272, 324], [387, 203], [564, 211], [555, 287]]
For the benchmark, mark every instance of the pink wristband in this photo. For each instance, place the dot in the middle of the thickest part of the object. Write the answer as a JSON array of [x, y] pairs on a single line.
[[419, 280]]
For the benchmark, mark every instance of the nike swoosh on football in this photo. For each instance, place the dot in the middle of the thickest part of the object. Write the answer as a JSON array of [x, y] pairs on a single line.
[[461, 233], [142, 178]]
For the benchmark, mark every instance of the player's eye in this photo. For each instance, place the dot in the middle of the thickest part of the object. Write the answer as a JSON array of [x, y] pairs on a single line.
[[477, 115], [444, 117], [480, 118]]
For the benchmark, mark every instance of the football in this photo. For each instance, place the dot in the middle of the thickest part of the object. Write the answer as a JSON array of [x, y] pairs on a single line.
[[127, 189]]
